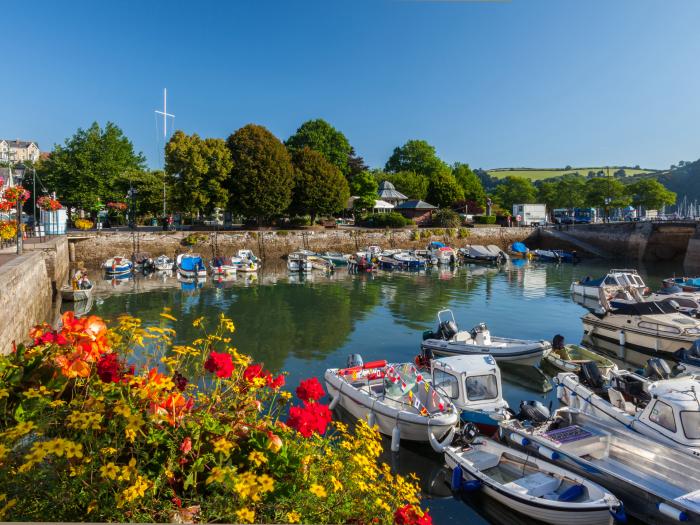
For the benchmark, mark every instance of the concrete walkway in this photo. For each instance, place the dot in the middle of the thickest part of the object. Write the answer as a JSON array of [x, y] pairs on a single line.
[[563, 236]]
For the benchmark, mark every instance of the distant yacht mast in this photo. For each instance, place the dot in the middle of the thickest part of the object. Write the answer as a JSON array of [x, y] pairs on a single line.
[[165, 134]]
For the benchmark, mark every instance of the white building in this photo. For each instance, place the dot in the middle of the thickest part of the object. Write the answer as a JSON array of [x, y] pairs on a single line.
[[18, 151]]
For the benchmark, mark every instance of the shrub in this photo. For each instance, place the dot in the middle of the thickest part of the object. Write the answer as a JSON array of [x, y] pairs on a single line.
[[194, 238], [447, 218], [485, 219], [193, 432], [303, 220], [385, 220], [282, 233], [83, 224], [416, 235], [463, 233]]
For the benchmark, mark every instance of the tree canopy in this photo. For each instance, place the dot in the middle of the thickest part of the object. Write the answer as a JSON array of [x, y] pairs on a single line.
[[200, 170], [411, 184], [85, 170], [651, 194], [262, 176], [417, 156], [606, 192], [319, 187], [149, 190], [514, 190], [471, 185], [364, 187], [320, 136], [443, 189]]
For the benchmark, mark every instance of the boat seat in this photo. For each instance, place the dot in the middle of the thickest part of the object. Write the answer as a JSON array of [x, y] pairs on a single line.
[[537, 484], [462, 337], [482, 460], [618, 401]]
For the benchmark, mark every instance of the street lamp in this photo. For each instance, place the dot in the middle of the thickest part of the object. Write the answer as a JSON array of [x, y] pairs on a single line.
[[19, 170]]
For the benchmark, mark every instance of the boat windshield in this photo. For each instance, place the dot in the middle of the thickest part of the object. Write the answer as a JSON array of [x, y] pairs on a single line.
[[691, 423], [481, 387]]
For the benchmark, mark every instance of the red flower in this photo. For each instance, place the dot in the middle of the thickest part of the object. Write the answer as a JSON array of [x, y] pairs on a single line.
[[408, 515], [186, 445], [252, 372], [219, 363], [310, 390], [275, 383], [109, 369], [180, 381], [309, 418]]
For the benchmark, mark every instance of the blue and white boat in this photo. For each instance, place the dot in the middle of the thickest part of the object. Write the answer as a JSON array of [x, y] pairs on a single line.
[[190, 266], [557, 256], [117, 266], [409, 261]]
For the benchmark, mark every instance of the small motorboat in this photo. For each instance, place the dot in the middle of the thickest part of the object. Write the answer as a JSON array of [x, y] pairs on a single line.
[[483, 254], [689, 358], [687, 284], [529, 485], [444, 254], [449, 340], [163, 263], [191, 266], [395, 397], [246, 261], [143, 262], [607, 286], [557, 256], [319, 263], [336, 258], [117, 266], [569, 357], [70, 294], [386, 262], [518, 250], [299, 262], [658, 484], [361, 263], [223, 266], [409, 261]]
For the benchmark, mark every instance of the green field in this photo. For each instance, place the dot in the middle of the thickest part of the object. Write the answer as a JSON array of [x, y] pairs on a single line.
[[547, 173]]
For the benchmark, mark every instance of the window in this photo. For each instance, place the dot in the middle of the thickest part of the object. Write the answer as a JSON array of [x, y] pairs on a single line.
[[691, 424], [447, 383], [482, 387], [649, 326], [610, 280], [662, 415]]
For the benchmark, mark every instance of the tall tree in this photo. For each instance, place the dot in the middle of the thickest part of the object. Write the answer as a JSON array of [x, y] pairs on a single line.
[[651, 194], [356, 164], [84, 171], [606, 192], [470, 183], [320, 136], [364, 187], [417, 156], [411, 184], [262, 176], [149, 190], [515, 190], [443, 189], [200, 170], [548, 194], [319, 187]]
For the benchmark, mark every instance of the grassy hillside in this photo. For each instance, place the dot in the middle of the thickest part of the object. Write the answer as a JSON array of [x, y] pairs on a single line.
[[684, 181], [547, 173]]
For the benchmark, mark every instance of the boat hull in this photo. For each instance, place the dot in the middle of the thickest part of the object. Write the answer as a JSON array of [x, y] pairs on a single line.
[[526, 353], [70, 295], [639, 341], [554, 360]]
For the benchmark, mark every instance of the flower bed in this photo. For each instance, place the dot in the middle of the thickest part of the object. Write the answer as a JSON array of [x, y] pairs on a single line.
[[8, 230], [83, 224], [122, 424]]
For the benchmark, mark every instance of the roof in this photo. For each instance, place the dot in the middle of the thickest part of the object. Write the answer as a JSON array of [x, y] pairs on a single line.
[[388, 191], [466, 363], [20, 143], [681, 390], [645, 308], [416, 205], [383, 204]]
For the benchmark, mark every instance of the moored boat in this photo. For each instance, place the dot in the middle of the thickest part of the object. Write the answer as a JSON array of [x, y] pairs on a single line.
[[163, 263], [518, 250], [606, 286], [319, 263], [687, 284], [558, 256], [191, 266], [117, 266], [223, 266], [569, 357], [483, 254], [70, 294], [444, 254], [298, 262], [529, 485], [336, 258]]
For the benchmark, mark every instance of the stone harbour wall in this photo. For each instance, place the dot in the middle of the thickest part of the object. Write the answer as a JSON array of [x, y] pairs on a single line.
[[55, 252], [93, 248], [26, 295]]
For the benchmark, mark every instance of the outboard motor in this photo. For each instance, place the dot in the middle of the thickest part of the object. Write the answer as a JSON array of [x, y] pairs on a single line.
[[465, 435], [558, 342], [533, 411], [591, 376], [657, 369], [447, 330], [354, 360]]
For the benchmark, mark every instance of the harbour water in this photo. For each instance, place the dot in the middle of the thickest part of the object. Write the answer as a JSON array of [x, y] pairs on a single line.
[[306, 324]]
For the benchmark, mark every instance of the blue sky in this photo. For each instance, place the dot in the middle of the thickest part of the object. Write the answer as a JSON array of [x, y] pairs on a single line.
[[521, 83]]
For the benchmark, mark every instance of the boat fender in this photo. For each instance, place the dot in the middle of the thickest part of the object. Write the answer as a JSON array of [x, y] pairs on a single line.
[[573, 399], [560, 391], [459, 484], [520, 440], [619, 515], [395, 438], [548, 453], [440, 447], [334, 401], [622, 338], [672, 512]]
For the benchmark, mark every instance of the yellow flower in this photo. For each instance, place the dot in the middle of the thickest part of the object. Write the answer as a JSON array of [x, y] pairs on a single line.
[[57, 403], [55, 446], [246, 486], [6, 506], [3, 451], [245, 515], [293, 517], [108, 451], [286, 395], [257, 458], [92, 506], [109, 471], [318, 491], [337, 485], [198, 322], [135, 491], [168, 316], [265, 483], [217, 475], [379, 502], [73, 449], [223, 446], [19, 430], [4, 393]]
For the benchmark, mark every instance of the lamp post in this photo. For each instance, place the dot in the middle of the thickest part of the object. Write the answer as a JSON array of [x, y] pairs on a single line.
[[19, 170]]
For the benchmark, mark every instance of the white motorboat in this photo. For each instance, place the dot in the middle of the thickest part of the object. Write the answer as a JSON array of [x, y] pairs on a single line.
[[647, 327], [606, 287], [298, 262], [319, 263], [658, 484], [336, 258], [409, 261], [191, 266], [449, 340], [117, 266], [666, 411], [223, 266], [396, 398], [163, 263], [529, 485], [143, 262], [246, 261], [70, 294], [483, 254], [444, 254]]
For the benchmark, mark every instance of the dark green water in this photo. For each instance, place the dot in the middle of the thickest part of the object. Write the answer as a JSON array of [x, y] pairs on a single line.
[[304, 326]]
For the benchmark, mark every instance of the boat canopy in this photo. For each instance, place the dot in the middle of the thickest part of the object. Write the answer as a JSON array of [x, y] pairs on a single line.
[[436, 244], [190, 264], [645, 308], [405, 384], [519, 247]]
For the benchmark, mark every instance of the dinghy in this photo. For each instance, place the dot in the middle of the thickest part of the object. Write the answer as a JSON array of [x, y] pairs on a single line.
[[336, 258], [569, 358], [298, 262], [70, 294], [143, 262], [483, 254], [246, 261], [191, 266], [319, 263], [223, 266], [449, 340], [117, 266], [530, 486], [163, 263], [444, 254], [409, 261], [558, 256], [396, 398], [519, 250]]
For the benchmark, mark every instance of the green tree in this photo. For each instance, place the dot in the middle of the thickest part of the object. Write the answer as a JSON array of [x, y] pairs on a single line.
[[364, 186], [651, 194], [200, 170], [470, 183], [606, 193], [320, 136], [572, 191], [514, 190], [149, 190], [319, 187], [411, 184], [443, 189], [85, 170], [417, 156], [262, 176], [356, 164], [548, 194]]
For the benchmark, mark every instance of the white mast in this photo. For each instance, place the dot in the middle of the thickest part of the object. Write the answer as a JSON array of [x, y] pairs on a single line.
[[165, 134]]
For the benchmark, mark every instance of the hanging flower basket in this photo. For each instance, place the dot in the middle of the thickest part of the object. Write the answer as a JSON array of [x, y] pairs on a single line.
[[16, 193], [117, 206], [47, 203], [8, 230]]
